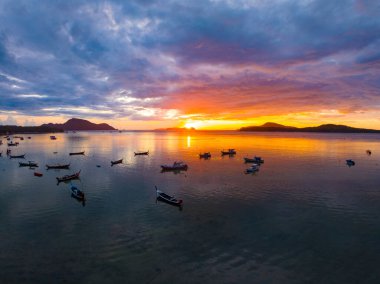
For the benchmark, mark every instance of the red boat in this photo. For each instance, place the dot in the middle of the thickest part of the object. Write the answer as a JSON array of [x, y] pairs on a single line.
[[38, 174]]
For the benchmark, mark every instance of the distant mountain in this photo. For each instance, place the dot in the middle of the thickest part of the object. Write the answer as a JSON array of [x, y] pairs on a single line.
[[13, 129], [74, 124], [332, 128]]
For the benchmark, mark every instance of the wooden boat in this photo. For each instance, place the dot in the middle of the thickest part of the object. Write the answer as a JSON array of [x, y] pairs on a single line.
[[116, 162], [228, 152], [77, 193], [350, 162], [68, 177], [141, 153], [254, 160], [167, 198], [205, 155], [53, 137], [369, 152], [11, 144], [76, 153], [28, 164], [38, 174], [58, 166], [17, 156], [177, 166], [254, 168]]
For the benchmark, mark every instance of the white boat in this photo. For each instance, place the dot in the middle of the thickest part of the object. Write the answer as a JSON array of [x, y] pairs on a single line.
[[167, 198], [254, 168]]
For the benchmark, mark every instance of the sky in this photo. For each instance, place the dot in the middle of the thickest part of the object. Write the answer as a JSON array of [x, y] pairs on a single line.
[[208, 64]]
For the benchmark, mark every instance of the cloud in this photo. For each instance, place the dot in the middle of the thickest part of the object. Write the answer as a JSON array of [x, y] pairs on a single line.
[[144, 59]]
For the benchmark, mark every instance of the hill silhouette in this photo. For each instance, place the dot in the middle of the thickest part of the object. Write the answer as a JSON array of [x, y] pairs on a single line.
[[324, 128], [74, 124]]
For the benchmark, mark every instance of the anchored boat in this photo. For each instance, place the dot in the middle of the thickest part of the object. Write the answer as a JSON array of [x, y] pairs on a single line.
[[167, 198], [17, 156], [205, 155], [28, 164], [254, 168], [76, 153], [77, 193], [116, 162], [256, 159], [177, 166], [58, 166], [228, 152], [141, 153], [68, 177]]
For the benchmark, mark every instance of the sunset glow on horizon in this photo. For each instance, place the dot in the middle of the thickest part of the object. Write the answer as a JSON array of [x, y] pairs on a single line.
[[213, 64]]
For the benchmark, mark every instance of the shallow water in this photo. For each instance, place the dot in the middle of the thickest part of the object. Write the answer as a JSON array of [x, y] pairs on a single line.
[[304, 217]]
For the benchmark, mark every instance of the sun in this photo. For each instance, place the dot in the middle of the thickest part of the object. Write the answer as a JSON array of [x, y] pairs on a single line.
[[193, 124]]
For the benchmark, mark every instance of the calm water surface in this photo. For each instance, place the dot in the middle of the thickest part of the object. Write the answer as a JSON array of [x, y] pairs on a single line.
[[305, 217]]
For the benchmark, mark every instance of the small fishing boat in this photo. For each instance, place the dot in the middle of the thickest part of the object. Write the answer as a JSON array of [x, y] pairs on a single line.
[[116, 162], [76, 153], [11, 144], [254, 160], [177, 166], [369, 152], [254, 168], [77, 193], [17, 156], [68, 177], [205, 155], [167, 198], [58, 166], [28, 164], [38, 174], [52, 137], [350, 162], [141, 153], [229, 152], [29, 137]]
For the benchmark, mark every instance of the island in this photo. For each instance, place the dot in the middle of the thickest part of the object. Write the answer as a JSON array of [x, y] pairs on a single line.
[[77, 124], [324, 128], [73, 124]]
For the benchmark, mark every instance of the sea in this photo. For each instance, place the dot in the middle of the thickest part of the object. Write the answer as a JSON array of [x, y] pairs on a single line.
[[304, 217]]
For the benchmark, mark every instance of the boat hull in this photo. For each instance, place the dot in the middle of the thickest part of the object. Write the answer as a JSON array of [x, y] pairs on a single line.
[[171, 168], [76, 153], [168, 199], [141, 153], [58, 167], [116, 162], [68, 177]]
